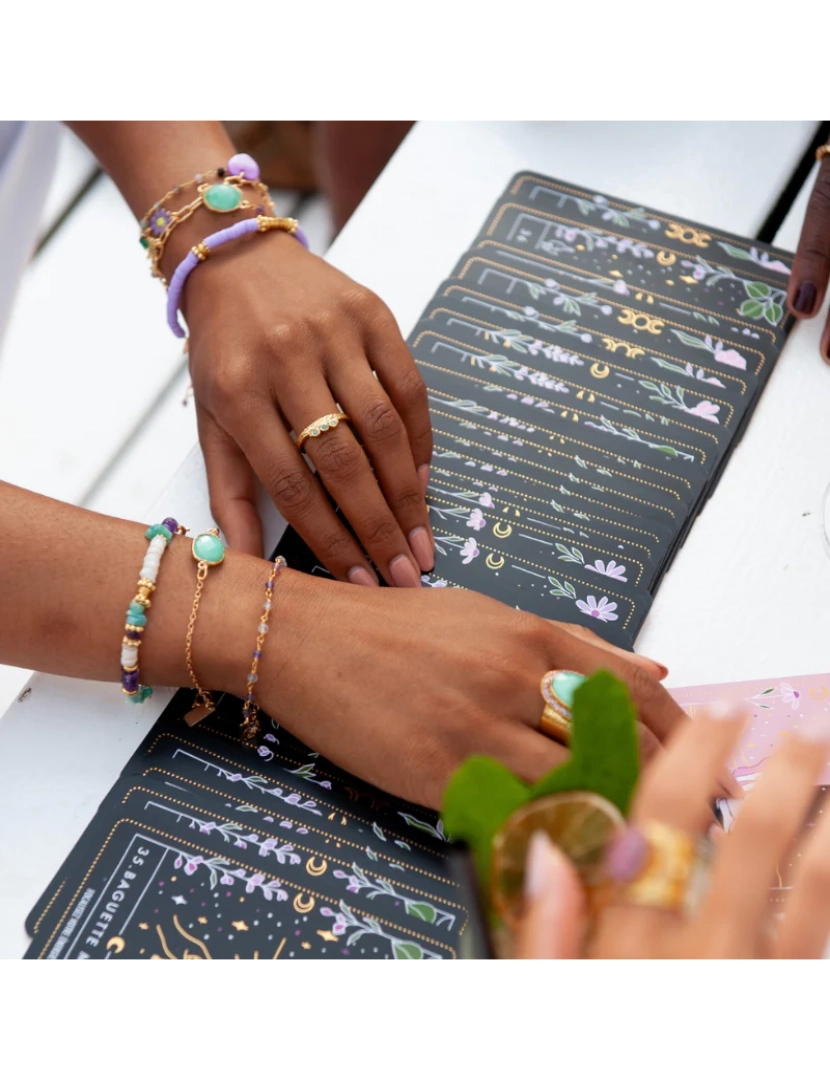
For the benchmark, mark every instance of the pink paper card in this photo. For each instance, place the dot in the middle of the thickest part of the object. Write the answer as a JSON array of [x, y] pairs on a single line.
[[777, 706]]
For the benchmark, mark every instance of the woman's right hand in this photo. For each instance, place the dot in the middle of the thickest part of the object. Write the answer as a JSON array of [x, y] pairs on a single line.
[[401, 686]]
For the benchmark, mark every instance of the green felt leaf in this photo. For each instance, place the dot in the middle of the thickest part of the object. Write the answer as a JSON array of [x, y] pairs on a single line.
[[757, 289], [480, 797], [605, 750]]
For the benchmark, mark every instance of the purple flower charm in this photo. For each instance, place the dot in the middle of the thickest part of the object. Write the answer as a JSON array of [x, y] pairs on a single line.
[[159, 220]]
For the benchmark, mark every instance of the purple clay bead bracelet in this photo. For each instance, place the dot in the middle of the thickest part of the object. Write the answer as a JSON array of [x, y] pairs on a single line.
[[201, 251]]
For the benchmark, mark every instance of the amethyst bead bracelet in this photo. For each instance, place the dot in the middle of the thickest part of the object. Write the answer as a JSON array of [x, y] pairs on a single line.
[[201, 251], [250, 709]]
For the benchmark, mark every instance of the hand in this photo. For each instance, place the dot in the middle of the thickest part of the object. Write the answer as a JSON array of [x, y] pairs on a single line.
[[811, 269], [733, 919], [279, 338], [400, 687]]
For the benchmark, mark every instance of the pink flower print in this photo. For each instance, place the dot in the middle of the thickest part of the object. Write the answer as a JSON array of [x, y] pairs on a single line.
[[469, 551], [476, 520], [325, 784], [192, 863], [267, 845], [239, 844], [598, 609], [179, 862], [699, 273], [706, 410], [338, 929], [264, 752], [302, 832], [486, 468], [486, 500], [585, 337], [293, 798], [528, 400], [226, 879], [621, 287], [206, 826], [775, 264], [789, 695], [730, 357], [270, 738], [531, 311], [267, 818], [326, 912], [612, 570]]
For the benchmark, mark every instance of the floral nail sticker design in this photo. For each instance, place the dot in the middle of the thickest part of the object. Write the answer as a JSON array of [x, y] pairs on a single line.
[[722, 355], [603, 609], [706, 410], [762, 302], [675, 398], [784, 691], [476, 520], [401, 949], [612, 569], [270, 888], [468, 549], [761, 258], [358, 881]]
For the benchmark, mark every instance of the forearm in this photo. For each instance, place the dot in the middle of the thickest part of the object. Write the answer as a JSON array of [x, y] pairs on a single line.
[[67, 576]]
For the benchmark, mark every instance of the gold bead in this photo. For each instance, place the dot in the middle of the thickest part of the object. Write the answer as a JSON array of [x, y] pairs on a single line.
[[145, 583], [129, 626]]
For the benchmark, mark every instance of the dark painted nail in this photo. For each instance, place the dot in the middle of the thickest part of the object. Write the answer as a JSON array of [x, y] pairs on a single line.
[[805, 298]]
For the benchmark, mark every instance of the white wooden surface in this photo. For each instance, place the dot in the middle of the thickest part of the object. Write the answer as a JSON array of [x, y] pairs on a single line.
[[743, 599]]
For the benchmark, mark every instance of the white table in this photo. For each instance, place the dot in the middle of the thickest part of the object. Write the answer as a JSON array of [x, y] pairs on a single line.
[[745, 597]]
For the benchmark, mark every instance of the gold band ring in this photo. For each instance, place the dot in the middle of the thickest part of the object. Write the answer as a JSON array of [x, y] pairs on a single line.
[[320, 426], [557, 689], [656, 865], [822, 152]]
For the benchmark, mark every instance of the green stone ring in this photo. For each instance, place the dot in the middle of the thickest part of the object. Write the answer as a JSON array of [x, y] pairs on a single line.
[[208, 548], [558, 688]]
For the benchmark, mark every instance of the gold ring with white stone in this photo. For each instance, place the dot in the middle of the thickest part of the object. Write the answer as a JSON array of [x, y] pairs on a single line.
[[319, 427]]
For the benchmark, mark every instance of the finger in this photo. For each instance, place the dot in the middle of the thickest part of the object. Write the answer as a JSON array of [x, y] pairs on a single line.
[[738, 899], [655, 706], [344, 469], [298, 496], [384, 438], [806, 925], [231, 485], [660, 671], [555, 922], [811, 266], [401, 380]]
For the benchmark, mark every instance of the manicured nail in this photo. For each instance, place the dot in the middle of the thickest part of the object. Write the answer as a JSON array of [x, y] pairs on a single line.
[[423, 473], [540, 867], [726, 711], [360, 576], [422, 549], [814, 729], [805, 298], [661, 668], [404, 574]]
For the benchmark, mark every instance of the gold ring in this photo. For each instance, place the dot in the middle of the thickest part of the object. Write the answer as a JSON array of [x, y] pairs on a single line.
[[822, 151], [659, 866], [323, 424], [557, 688]]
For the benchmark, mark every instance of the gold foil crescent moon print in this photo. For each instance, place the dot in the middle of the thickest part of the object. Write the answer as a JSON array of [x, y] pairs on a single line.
[[116, 944], [315, 870], [666, 258], [600, 371], [502, 530], [494, 563], [301, 905]]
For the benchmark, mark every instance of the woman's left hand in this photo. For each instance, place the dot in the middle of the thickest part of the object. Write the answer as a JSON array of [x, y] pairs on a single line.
[[278, 338]]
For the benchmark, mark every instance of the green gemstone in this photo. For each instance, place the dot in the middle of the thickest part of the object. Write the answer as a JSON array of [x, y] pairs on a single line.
[[565, 684], [135, 619], [315, 431], [334, 422], [208, 548], [222, 198], [145, 243], [324, 427]]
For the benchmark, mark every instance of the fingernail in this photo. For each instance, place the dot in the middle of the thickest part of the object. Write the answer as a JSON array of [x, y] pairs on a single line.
[[423, 473], [422, 548], [360, 576], [661, 668], [814, 729], [404, 574], [540, 867], [805, 298], [726, 711]]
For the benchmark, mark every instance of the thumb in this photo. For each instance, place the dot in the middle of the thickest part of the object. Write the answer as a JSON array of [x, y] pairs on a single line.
[[554, 924]]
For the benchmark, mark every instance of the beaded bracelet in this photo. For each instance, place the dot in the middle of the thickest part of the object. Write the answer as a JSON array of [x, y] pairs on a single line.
[[250, 720], [220, 197], [208, 550], [159, 537], [200, 252]]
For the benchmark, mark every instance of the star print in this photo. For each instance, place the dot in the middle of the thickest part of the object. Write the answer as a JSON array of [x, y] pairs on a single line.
[[143, 926], [179, 900], [305, 944], [240, 924], [327, 935], [202, 920]]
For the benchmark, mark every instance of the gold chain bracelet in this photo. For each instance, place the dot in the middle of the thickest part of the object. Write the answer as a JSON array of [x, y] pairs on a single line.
[[208, 550]]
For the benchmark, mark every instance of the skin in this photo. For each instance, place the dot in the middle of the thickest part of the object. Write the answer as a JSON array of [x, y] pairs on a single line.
[[812, 260], [459, 672], [733, 918]]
